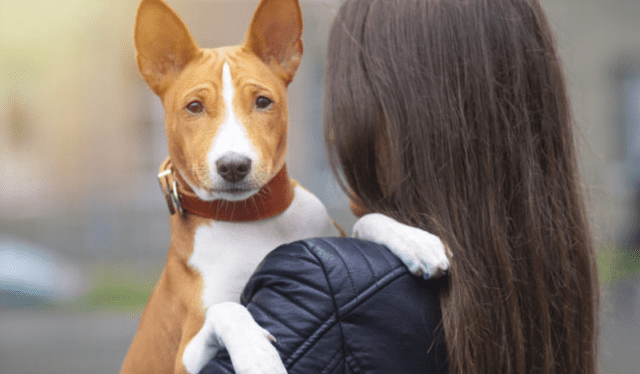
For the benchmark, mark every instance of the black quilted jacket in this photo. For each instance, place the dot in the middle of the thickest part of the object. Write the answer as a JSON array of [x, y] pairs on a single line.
[[340, 305]]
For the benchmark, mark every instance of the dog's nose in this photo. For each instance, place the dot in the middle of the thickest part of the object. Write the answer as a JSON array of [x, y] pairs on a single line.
[[233, 167]]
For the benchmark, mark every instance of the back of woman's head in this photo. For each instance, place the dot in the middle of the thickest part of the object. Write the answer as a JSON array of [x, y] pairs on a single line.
[[452, 115]]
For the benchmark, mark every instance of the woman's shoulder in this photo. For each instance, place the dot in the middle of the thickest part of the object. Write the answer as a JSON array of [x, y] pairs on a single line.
[[347, 297], [335, 253], [338, 266]]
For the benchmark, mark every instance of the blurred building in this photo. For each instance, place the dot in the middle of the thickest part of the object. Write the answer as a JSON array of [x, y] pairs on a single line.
[[600, 44]]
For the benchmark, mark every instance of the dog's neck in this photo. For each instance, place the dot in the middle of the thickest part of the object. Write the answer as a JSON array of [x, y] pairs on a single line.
[[271, 200]]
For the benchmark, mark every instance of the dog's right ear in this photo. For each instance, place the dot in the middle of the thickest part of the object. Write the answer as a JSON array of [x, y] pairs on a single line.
[[163, 44]]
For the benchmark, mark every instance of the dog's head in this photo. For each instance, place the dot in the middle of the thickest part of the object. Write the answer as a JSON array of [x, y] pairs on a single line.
[[225, 108]]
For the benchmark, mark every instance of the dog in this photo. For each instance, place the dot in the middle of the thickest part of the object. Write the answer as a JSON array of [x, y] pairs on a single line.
[[228, 190]]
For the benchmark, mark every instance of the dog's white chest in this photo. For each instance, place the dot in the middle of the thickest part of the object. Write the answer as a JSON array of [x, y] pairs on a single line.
[[226, 253]]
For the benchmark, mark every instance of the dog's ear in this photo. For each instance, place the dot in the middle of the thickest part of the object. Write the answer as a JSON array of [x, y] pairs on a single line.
[[163, 44], [275, 35]]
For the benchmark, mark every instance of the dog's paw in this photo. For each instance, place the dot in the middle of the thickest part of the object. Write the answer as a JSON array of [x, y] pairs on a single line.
[[255, 354], [249, 345], [423, 253], [201, 349]]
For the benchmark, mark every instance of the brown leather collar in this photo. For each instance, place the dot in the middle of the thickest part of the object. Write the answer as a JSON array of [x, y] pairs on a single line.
[[272, 199]]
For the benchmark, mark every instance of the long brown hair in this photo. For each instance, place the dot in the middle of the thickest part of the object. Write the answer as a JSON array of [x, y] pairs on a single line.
[[453, 116]]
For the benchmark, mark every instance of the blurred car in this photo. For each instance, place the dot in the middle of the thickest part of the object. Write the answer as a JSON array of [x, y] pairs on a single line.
[[34, 276]]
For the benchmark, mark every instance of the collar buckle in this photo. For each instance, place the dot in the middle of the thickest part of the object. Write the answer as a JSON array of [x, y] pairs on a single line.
[[169, 188]]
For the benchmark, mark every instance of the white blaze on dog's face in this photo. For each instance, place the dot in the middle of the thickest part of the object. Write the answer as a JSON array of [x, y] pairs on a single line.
[[228, 138], [225, 108]]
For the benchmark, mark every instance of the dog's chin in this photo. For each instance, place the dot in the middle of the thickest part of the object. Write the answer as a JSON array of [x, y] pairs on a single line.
[[233, 194], [230, 194], [228, 191], [224, 191]]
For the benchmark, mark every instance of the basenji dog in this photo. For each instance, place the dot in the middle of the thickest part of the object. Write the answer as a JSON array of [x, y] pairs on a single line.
[[228, 189]]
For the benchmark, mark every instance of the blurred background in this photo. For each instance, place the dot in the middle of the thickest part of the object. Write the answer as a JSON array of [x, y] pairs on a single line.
[[84, 229]]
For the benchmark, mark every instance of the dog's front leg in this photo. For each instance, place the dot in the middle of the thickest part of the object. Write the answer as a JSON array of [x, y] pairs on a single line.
[[423, 253], [230, 325]]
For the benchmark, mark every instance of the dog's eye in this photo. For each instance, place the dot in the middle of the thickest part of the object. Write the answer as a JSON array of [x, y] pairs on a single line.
[[263, 102], [195, 107]]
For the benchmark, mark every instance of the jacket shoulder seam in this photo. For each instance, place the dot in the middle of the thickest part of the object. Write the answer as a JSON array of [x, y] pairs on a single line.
[[333, 319]]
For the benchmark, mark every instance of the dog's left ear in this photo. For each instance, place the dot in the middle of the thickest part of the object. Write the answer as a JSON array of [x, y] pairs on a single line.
[[275, 35]]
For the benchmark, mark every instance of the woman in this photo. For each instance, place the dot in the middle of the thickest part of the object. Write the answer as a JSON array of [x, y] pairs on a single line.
[[453, 116]]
